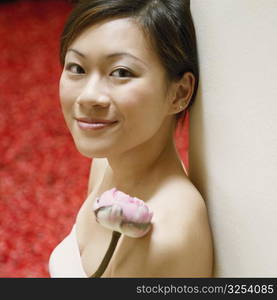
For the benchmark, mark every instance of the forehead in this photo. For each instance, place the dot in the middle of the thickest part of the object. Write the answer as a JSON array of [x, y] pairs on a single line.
[[115, 35]]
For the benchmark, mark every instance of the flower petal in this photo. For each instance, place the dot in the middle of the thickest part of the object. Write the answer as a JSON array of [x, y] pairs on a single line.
[[121, 212]]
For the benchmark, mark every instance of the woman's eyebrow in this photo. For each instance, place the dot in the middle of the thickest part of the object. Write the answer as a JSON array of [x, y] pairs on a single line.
[[125, 54], [77, 52], [109, 55]]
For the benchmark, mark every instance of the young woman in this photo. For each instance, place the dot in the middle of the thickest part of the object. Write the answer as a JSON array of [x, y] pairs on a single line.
[[130, 73]]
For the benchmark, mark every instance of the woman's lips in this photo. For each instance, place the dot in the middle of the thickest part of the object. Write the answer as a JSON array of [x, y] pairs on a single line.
[[94, 125]]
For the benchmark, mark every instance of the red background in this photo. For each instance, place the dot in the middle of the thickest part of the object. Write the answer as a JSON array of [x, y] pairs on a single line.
[[43, 178]]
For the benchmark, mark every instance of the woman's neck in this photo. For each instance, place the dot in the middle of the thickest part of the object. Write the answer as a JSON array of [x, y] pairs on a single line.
[[130, 171]]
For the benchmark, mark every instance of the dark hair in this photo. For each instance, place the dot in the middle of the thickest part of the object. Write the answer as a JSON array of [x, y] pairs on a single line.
[[168, 23]]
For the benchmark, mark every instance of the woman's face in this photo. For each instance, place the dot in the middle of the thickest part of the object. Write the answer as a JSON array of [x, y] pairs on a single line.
[[111, 73]]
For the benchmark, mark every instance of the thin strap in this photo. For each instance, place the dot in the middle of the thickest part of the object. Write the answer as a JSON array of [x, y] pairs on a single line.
[[101, 269]]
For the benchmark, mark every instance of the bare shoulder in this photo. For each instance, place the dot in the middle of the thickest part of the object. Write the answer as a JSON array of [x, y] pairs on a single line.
[[180, 243], [182, 199]]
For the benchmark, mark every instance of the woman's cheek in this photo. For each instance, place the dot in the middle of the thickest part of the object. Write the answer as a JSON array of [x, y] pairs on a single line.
[[135, 97], [66, 100], [62, 85], [67, 96], [64, 88]]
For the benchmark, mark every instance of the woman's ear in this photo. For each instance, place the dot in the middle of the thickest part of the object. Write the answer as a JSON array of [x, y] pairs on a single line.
[[182, 93]]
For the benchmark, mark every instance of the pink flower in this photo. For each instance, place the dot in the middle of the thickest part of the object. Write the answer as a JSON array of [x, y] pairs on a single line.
[[120, 212]]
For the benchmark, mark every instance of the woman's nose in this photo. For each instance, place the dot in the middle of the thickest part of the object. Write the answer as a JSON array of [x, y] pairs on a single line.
[[93, 94]]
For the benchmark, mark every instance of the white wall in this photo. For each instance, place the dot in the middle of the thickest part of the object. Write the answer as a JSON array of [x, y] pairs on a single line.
[[233, 132]]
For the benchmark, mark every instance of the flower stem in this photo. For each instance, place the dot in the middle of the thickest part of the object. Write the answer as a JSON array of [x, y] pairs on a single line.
[[101, 269]]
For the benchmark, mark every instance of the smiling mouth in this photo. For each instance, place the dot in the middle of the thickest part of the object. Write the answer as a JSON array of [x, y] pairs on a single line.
[[94, 125]]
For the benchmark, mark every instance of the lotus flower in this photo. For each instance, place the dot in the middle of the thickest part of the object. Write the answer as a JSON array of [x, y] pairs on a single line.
[[122, 213]]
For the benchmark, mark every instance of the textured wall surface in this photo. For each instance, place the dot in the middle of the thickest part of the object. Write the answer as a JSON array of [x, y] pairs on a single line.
[[233, 132]]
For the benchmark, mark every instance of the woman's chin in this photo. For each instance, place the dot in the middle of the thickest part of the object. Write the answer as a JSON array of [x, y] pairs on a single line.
[[93, 153]]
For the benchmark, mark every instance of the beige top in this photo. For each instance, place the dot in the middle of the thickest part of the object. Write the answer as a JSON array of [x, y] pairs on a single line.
[[65, 259]]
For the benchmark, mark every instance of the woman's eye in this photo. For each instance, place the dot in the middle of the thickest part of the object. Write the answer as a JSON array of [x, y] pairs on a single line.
[[74, 68], [122, 73]]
